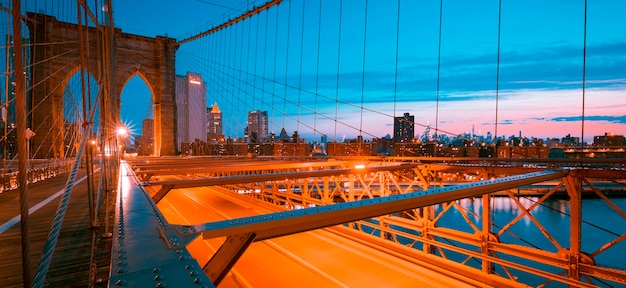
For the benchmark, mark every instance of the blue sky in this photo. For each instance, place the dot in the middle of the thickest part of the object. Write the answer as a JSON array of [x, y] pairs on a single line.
[[258, 64]]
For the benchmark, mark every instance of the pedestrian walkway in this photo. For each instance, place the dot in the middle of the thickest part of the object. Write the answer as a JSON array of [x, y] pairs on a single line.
[[70, 265]]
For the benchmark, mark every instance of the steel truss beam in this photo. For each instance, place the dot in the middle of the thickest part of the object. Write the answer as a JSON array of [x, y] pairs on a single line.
[[166, 186], [220, 169], [226, 257], [575, 263], [242, 231], [297, 191], [290, 222]]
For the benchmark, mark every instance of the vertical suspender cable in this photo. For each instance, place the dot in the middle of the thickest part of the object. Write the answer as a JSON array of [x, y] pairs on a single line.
[[495, 134], [301, 52], [317, 70], [256, 54], [225, 63], [247, 82], [224, 66], [582, 128], [20, 107], [395, 77], [104, 126], [287, 64], [90, 182], [338, 70], [363, 74], [267, 19], [81, 53], [275, 62], [438, 71], [87, 134]]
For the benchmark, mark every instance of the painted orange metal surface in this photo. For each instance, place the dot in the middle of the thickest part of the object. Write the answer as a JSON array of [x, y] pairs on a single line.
[[313, 188]]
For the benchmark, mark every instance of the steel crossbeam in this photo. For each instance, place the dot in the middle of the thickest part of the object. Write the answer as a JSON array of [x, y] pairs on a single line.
[[290, 222], [167, 186], [147, 172], [243, 231]]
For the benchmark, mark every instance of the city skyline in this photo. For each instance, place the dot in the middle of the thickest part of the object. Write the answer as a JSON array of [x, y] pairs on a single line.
[[540, 77]]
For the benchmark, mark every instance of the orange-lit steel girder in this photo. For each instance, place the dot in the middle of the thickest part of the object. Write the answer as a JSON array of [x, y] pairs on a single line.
[[289, 222], [166, 186], [221, 169], [224, 259], [573, 186], [574, 262], [489, 249]]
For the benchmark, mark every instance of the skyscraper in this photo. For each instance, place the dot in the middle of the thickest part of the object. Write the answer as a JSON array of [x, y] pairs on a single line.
[[214, 124], [146, 146], [191, 107], [257, 126], [404, 128]]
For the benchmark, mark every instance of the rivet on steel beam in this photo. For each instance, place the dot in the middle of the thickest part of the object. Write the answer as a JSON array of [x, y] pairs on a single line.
[[120, 282], [160, 285], [193, 273], [157, 278], [156, 270], [197, 281]]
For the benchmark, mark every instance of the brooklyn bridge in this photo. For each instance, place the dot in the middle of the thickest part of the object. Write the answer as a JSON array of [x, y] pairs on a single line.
[[356, 196]]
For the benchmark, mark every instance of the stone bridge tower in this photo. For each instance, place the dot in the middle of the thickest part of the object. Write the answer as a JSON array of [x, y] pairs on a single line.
[[153, 59]]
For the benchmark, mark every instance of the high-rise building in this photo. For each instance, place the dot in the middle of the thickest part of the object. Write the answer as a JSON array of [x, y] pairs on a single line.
[[146, 145], [404, 128], [191, 108], [257, 126], [214, 123]]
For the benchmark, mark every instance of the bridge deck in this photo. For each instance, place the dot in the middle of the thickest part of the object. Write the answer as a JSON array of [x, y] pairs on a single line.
[[70, 262], [322, 258]]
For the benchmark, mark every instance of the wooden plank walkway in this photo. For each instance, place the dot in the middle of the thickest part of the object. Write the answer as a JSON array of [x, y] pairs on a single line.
[[70, 262]]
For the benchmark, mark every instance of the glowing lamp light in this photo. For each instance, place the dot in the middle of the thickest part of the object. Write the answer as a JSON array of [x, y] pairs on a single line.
[[359, 166], [121, 131], [196, 82]]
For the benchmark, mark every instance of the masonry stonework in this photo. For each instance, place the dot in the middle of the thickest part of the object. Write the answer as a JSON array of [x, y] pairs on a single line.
[[153, 59]]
